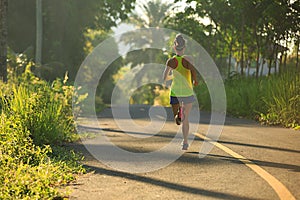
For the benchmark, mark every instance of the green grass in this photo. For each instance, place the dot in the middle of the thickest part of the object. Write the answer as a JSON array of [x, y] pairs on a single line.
[[273, 100], [29, 171], [35, 120], [44, 109], [282, 99]]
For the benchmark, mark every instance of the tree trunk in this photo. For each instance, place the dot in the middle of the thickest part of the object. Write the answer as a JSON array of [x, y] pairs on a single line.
[[215, 46], [39, 36], [285, 55], [262, 67], [275, 60], [257, 61], [242, 46], [257, 52], [280, 63], [248, 64], [284, 60], [3, 39], [230, 56], [297, 52], [270, 66]]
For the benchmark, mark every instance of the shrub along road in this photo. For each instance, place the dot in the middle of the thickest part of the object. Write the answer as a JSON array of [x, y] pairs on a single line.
[[249, 161]]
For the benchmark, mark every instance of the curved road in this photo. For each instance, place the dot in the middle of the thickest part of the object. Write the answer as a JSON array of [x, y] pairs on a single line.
[[248, 161]]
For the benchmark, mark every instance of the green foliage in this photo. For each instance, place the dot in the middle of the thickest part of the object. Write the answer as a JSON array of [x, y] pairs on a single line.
[[273, 100], [45, 110], [64, 24], [162, 96], [35, 117], [245, 30], [29, 171], [244, 96], [151, 13], [144, 95], [203, 96], [282, 100]]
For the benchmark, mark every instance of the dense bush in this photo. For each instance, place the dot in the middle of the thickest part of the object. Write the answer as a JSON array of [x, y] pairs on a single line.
[[29, 171], [282, 100], [36, 117], [44, 109]]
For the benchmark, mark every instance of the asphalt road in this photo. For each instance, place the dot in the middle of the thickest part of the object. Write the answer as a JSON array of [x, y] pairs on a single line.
[[248, 161]]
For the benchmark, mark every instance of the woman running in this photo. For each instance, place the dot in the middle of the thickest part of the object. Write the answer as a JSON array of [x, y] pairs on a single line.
[[182, 94]]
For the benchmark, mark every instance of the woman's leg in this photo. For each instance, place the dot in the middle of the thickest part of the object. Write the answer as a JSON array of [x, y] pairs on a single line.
[[175, 109], [185, 123], [175, 105]]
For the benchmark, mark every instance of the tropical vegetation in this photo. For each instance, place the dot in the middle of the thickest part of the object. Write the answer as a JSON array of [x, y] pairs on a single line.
[[37, 92], [43, 43]]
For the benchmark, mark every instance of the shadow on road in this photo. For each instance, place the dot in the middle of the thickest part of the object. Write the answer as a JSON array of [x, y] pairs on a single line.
[[260, 146], [142, 112], [294, 168], [165, 184], [171, 136]]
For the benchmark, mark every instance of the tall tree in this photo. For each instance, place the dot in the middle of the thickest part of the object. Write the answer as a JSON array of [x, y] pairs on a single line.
[[64, 25], [147, 15], [151, 14], [3, 39], [245, 26]]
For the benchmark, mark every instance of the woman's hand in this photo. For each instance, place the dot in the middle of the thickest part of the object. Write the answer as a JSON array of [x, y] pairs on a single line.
[[166, 74], [195, 82]]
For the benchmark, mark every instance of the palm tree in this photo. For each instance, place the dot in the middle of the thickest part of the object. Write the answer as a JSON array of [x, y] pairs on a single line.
[[151, 14], [3, 39], [146, 15]]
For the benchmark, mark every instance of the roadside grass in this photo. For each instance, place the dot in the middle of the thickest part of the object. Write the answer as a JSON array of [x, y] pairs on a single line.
[[36, 121], [282, 99], [272, 100]]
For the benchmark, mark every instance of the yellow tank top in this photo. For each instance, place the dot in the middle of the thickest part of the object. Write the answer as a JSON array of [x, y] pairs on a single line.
[[182, 81]]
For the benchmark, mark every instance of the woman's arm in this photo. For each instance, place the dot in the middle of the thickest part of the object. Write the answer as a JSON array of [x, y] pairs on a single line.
[[192, 69], [170, 65], [194, 75], [166, 73]]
